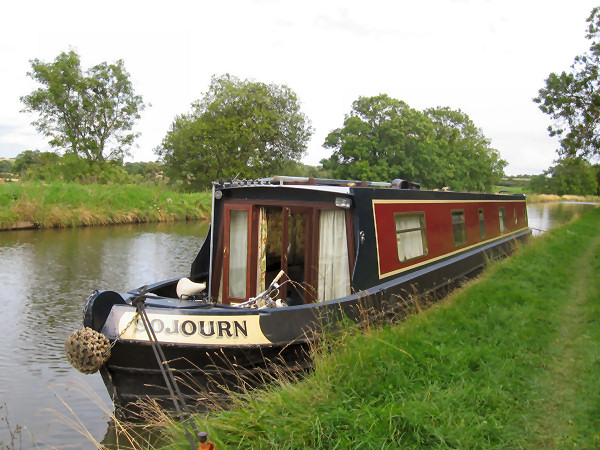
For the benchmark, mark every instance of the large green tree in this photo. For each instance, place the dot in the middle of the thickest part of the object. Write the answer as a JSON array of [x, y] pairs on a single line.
[[470, 163], [90, 114], [575, 176], [572, 99], [240, 128], [383, 138]]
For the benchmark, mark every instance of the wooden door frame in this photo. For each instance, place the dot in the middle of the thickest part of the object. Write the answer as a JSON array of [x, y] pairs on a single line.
[[311, 250]]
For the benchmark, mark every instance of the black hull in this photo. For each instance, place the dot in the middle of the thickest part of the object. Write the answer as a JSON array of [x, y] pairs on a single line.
[[205, 376], [208, 372]]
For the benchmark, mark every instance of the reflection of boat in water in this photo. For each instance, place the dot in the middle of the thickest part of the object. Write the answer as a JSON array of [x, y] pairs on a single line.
[[286, 258]]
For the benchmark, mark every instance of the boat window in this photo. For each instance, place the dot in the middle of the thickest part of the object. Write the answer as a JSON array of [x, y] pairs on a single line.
[[411, 235], [334, 271], [481, 224], [238, 253], [502, 216], [524, 216], [459, 228], [515, 215]]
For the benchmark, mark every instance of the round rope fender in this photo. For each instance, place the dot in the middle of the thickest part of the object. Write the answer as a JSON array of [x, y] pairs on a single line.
[[87, 350]]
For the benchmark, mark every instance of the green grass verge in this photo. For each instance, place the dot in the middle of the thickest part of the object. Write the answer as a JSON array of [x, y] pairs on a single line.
[[35, 205], [509, 189], [510, 361]]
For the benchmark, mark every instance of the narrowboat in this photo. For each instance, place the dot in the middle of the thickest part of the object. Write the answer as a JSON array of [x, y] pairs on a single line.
[[285, 259]]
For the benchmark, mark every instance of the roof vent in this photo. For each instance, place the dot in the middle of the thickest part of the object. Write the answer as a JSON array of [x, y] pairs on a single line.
[[403, 184]]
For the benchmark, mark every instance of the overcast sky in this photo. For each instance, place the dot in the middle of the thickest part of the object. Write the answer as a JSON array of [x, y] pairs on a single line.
[[488, 58]]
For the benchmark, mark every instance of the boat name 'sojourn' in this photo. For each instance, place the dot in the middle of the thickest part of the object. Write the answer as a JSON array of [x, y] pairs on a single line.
[[206, 329]]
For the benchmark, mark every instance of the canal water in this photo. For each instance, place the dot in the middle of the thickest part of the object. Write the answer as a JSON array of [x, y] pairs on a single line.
[[45, 277]]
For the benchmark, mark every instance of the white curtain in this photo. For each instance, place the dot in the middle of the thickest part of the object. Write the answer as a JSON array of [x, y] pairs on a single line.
[[410, 243], [334, 272], [502, 220], [261, 263], [238, 253]]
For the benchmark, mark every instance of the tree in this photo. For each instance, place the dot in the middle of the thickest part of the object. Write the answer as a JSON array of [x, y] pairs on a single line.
[[383, 139], [469, 161], [49, 167], [239, 128], [25, 160], [6, 166], [145, 171], [572, 176], [572, 99], [539, 184], [87, 114]]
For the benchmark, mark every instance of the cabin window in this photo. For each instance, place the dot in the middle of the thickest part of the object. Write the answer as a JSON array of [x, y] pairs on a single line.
[[334, 270], [411, 235], [502, 216], [459, 228], [515, 215], [238, 253], [524, 216], [481, 224]]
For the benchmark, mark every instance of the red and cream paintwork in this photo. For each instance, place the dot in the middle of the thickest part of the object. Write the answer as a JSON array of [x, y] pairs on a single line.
[[194, 329], [438, 223]]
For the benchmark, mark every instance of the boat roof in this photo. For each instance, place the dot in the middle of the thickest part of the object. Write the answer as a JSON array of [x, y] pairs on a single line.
[[339, 186], [320, 184]]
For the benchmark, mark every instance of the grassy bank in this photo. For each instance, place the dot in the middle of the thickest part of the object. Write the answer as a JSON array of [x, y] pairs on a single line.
[[35, 205], [510, 361], [544, 198]]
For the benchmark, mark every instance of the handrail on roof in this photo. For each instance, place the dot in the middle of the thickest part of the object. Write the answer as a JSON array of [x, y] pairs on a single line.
[[291, 180], [283, 179]]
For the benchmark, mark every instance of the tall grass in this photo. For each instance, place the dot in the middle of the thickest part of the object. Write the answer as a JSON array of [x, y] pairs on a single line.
[[14, 432], [510, 361], [36, 205], [544, 198]]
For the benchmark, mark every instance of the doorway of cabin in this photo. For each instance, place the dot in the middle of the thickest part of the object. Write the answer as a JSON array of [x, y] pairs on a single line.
[[310, 244], [285, 235]]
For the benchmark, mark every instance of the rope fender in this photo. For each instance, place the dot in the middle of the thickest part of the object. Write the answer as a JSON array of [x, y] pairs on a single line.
[[87, 350]]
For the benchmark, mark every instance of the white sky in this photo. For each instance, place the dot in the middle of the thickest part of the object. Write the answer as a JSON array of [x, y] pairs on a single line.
[[487, 57]]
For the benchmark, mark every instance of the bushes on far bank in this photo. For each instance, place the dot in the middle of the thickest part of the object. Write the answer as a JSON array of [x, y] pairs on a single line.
[[37, 205]]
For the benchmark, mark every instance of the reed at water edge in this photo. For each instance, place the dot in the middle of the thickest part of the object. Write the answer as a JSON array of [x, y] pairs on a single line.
[[510, 360], [60, 205], [546, 198]]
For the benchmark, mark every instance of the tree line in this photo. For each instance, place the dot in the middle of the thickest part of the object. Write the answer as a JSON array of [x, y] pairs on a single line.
[[249, 129], [571, 99]]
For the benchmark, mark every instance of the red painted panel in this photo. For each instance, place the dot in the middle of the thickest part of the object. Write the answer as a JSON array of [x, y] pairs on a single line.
[[438, 221]]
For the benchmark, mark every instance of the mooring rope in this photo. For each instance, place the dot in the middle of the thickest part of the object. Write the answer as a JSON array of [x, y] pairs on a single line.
[[170, 381], [539, 229]]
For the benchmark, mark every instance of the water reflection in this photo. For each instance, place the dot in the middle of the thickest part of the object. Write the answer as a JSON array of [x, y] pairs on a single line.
[[45, 278], [544, 216]]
